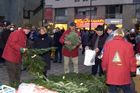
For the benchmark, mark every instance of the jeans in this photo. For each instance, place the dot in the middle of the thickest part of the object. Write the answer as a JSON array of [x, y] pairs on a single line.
[[125, 88], [58, 55]]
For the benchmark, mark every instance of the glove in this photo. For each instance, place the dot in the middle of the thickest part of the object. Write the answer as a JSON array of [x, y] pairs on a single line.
[[23, 50], [133, 74]]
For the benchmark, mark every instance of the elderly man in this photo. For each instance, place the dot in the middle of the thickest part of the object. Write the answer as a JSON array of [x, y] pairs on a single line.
[[73, 53], [12, 55], [118, 62]]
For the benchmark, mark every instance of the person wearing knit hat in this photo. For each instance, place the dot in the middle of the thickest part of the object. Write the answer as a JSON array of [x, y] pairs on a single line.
[[72, 24], [110, 30]]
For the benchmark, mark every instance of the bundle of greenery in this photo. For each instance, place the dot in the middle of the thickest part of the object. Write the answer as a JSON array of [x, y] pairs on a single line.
[[74, 39]]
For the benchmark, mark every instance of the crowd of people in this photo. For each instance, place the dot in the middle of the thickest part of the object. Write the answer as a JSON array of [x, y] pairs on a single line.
[[117, 46]]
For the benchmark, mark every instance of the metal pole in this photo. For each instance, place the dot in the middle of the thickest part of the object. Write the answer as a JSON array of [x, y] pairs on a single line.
[[42, 3], [90, 15]]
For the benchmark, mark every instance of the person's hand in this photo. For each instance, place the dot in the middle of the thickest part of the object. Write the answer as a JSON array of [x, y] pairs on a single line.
[[80, 47], [68, 42], [138, 63], [97, 50]]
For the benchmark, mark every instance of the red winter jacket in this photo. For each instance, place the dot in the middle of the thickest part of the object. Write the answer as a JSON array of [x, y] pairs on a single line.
[[15, 41], [66, 52], [118, 61]]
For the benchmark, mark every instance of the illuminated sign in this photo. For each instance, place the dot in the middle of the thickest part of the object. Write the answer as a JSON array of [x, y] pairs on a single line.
[[86, 22]]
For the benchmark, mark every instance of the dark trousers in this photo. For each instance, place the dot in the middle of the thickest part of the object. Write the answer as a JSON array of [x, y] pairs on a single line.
[[83, 49], [58, 54], [125, 88], [14, 72], [97, 67], [1, 59]]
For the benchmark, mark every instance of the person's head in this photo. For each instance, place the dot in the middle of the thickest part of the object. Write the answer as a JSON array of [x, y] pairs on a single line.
[[111, 28], [99, 30], [57, 29], [119, 32], [12, 27], [26, 28], [42, 30], [72, 26]]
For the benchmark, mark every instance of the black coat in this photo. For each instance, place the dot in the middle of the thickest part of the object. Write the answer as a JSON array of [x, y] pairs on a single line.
[[44, 41], [56, 38], [101, 42], [4, 37]]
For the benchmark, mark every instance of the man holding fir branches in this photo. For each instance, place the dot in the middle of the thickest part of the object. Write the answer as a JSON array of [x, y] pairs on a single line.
[[12, 53], [71, 41]]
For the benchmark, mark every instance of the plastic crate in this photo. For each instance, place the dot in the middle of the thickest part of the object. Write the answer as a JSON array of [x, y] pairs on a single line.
[[7, 89]]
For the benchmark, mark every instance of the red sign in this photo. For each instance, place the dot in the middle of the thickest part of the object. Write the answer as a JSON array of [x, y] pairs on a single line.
[[80, 23], [48, 14]]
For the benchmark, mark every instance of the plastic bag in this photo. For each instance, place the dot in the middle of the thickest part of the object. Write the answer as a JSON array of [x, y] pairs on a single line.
[[89, 57]]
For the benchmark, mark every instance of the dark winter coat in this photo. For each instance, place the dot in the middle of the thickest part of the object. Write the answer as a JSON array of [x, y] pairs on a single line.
[[4, 37], [44, 41], [56, 38], [101, 42]]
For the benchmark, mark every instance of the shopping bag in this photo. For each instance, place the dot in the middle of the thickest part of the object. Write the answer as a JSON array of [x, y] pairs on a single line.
[[138, 71], [89, 57]]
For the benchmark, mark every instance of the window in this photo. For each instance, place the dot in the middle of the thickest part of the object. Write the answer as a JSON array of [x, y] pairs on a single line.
[[114, 11], [138, 11], [85, 12], [85, 0], [77, 0], [60, 12]]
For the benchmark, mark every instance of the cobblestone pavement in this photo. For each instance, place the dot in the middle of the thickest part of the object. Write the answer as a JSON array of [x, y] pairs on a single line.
[[56, 68]]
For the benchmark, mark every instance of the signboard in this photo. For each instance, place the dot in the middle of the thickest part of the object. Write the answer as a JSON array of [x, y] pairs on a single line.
[[85, 23], [48, 14], [113, 21]]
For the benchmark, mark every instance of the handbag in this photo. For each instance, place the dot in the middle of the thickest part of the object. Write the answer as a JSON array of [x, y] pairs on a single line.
[[89, 59]]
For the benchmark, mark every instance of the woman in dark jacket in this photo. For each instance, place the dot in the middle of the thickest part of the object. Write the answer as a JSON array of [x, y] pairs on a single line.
[[96, 43], [44, 41]]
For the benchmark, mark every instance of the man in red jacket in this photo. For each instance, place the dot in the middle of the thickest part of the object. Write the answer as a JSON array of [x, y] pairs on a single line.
[[12, 54], [118, 62], [70, 54]]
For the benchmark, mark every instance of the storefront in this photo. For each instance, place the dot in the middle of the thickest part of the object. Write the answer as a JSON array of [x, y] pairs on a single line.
[[61, 26], [85, 23], [117, 22]]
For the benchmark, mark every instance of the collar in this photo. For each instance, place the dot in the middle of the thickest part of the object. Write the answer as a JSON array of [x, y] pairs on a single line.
[[118, 38]]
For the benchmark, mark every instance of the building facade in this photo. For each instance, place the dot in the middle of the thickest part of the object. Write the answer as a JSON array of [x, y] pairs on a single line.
[[19, 12], [124, 13]]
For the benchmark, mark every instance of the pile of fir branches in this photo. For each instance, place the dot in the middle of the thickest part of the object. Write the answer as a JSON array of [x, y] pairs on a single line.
[[32, 60], [73, 83]]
